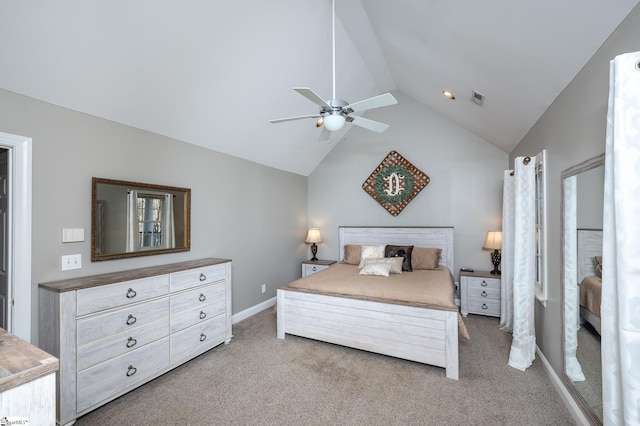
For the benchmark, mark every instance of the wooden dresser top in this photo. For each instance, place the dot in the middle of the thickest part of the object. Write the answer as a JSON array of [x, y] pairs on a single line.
[[133, 274], [21, 362]]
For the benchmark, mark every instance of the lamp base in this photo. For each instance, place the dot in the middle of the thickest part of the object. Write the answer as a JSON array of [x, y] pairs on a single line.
[[314, 251], [496, 257]]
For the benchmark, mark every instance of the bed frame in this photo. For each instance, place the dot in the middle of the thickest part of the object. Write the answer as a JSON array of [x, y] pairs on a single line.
[[412, 331], [589, 246]]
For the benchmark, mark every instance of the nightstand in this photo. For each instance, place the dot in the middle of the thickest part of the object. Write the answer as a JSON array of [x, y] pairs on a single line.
[[312, 266], [479, 293]]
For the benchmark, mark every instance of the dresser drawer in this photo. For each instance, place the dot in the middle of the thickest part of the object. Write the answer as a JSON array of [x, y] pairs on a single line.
[[184, 280], [312, 269], [483, 293], [484, 306], [120, 374], [118, 344], [192, 316], [129, 318], [486, 283], [95, 299], [196, 339]]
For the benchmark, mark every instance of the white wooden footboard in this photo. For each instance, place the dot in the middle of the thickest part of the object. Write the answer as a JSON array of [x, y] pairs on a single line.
[[426, 335]]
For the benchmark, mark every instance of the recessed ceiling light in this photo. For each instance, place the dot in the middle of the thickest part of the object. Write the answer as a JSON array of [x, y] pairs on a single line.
[[448, 94]]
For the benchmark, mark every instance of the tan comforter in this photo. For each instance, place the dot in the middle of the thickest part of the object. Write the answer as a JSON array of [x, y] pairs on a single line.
[[430, 287], [591, 294]]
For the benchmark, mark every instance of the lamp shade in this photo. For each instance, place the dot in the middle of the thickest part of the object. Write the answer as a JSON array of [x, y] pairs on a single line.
[[313, 236], [333, 122], [493, 241]]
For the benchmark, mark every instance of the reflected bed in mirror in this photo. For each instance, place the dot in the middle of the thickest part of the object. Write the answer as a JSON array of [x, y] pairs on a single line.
[[582, 206], [130, 219]]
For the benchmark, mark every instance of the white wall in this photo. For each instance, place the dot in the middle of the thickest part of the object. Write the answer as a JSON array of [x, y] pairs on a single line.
[[252, 214], [572, 130], [465, 190]]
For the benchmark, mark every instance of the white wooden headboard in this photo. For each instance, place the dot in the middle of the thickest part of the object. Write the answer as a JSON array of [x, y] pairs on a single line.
[[589, 246], [420, 236]]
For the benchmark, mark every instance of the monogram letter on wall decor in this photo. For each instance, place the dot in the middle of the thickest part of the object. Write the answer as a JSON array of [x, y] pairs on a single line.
[[395, 182]]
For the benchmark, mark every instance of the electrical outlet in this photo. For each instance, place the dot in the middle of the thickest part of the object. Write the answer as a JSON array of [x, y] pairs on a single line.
[[72, 261], [264, 288]]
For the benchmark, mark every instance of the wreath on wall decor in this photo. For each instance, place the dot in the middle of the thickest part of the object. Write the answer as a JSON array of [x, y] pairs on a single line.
[[395, 182]]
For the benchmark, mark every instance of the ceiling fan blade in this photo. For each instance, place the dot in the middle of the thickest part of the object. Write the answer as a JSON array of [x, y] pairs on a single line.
[[280, 120], [312, 96], [376, 126], [375, 102]]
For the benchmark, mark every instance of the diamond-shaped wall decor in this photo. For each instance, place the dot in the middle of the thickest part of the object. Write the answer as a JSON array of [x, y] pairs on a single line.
[[395, 182]]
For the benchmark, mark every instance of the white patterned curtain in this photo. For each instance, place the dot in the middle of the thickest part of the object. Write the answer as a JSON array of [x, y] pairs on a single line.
[[168, 232], [521, 258], [508, 229], [132, 220], [621, 246], [571, 309]]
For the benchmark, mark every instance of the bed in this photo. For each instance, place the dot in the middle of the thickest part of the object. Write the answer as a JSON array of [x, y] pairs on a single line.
[[387, 323], [589, 275]]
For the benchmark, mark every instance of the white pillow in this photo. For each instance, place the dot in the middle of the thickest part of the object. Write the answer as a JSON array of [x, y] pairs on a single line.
[[370, 251], [374, 268], [395, 262]]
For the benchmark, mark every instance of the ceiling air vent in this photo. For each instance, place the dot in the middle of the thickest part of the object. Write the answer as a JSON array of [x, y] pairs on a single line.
[[477, 98]]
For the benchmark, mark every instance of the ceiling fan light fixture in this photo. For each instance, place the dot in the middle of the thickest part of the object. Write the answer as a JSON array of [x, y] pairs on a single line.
[[448, 94], [334, 122]]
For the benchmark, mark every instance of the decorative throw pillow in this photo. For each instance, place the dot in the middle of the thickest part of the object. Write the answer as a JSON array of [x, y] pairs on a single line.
[[375, 268], [370, 251], [351, 254], [395, 262], [400, 251], [425, 258]]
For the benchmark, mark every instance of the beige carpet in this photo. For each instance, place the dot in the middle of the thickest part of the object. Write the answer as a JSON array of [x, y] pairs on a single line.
[[260, 380]]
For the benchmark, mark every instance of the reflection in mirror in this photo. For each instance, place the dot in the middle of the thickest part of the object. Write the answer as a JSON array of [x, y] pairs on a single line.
[[582, 199], [137, 219]]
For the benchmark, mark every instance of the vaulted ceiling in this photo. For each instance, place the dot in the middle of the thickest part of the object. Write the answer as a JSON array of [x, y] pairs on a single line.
[[212, 73]]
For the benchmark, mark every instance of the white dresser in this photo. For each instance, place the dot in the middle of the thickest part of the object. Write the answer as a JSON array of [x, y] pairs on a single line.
[[479, 293], [115, 332]]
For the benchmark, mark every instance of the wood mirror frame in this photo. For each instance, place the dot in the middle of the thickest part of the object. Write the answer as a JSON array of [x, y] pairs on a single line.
[[580, 399], [109, 218]]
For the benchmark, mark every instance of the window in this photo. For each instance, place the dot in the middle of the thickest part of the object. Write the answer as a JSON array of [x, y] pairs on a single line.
[[541, 228], [150, 221]]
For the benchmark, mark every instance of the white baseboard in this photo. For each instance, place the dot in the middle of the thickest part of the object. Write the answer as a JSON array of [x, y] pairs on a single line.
[[571, 404], [253, 310]]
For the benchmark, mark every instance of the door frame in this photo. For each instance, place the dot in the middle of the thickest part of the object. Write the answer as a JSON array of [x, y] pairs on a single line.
[[19, 233]]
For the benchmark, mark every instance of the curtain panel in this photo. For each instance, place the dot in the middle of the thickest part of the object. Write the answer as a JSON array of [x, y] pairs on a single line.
[[621, 248], [519, 249], [571, 310]]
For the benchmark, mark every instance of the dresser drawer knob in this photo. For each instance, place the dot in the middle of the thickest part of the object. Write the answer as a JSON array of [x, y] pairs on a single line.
[[202, 297], [131, 342], [203, 337], [484, 306], [484, 283], [314, 268], [202, 277], [483, 294], [131, 293], [131, 370], [202, 315], [131, 320]]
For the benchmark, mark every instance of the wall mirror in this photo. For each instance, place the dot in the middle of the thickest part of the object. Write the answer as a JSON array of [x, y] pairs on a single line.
[[130, 219], [582, 205]]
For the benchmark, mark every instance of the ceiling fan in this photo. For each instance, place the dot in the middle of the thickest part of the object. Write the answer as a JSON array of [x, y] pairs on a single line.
[[335, 112]]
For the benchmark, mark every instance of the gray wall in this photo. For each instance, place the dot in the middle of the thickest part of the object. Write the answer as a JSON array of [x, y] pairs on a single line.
[[572, 130], [252, 214], [465, 190]]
